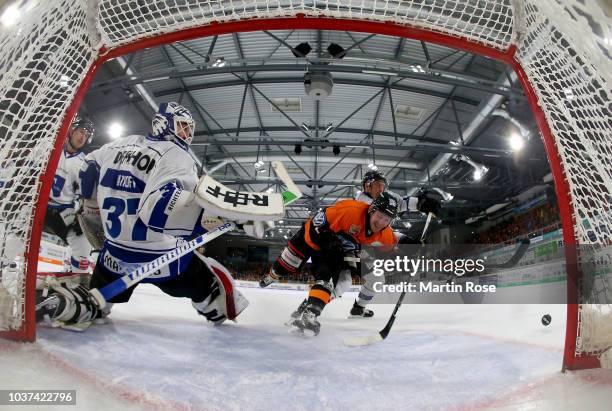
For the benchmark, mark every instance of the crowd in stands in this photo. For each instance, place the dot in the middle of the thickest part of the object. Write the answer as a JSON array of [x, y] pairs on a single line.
[[543, 218], [253, 272]]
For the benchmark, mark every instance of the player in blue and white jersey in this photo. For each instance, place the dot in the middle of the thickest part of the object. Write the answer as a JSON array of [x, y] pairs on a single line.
[[60, 218]]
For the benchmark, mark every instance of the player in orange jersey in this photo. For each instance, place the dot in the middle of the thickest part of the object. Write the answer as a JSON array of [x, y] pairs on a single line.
[[328, 238]]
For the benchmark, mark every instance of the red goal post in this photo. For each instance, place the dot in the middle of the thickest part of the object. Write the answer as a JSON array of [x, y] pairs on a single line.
[[51, 55]]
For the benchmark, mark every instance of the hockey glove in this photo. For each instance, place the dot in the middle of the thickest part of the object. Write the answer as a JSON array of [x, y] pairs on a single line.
[[429, 202], [269, 278]]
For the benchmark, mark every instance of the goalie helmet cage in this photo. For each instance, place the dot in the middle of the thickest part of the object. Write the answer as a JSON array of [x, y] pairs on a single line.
[[556, 47]]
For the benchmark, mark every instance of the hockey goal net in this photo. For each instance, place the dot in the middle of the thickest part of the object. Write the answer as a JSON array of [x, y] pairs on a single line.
[[560, 50]]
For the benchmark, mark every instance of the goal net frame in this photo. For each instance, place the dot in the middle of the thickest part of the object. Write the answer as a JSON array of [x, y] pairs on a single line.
[[517, 32]]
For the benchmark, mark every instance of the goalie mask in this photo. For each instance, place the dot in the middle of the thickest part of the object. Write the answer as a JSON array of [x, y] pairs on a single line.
[[173, 122]]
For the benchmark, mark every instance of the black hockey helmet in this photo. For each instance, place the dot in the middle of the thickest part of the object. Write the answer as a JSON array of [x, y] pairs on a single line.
[[85, 124], [371, 176], [385, 203]]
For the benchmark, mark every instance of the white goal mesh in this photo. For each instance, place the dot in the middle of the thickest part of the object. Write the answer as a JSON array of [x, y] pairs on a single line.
[[562, 55]]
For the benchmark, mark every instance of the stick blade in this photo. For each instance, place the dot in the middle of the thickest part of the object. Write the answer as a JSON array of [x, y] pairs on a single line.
[[363, 341]]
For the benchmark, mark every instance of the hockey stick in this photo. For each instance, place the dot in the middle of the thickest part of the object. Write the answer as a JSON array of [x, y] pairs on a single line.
[[293, 192], [382, 334], [518, 254]]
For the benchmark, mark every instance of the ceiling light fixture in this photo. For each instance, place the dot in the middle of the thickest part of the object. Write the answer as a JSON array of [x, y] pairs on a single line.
[[219, 62], [10, 16], [115, 130], [516, 141], [336, 51], [301, 50]]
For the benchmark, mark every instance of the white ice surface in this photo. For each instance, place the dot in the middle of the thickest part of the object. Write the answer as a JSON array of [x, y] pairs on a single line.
[[158, 354]]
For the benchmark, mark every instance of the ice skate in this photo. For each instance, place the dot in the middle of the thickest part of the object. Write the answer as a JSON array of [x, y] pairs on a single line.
[[306, 324], [360, 312]]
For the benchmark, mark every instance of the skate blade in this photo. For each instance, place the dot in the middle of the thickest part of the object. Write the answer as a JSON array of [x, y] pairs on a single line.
[[358, 317], [300, 332], [289, 322]]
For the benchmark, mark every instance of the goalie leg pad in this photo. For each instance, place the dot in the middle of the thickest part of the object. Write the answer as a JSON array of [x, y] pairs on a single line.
[[70, 304], [230, 301], [91, 224]]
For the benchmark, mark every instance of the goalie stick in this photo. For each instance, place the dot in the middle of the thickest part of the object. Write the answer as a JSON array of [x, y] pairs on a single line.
[[382, 334], [118, 286]]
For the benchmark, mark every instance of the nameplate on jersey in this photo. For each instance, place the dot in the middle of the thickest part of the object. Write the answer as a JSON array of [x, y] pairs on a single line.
[[135, 158], [219, 200], [122, 180]]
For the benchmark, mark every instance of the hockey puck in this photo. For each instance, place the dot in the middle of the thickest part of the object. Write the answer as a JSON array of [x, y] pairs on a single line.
[[546, 319]]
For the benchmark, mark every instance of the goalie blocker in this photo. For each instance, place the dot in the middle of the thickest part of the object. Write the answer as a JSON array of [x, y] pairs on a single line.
[[219, 200]]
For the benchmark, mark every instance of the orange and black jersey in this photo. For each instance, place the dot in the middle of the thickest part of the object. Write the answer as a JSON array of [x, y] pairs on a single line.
[[349, 217]]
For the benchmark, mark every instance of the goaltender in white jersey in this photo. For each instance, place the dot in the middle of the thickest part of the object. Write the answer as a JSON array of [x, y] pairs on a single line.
[[148, 203], [141, 180]]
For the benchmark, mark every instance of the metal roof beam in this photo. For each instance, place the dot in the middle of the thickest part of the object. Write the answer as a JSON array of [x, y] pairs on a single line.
[[418, 146], [299, 65], [347, 130], [398, 184], [383, 161], [277, 80]]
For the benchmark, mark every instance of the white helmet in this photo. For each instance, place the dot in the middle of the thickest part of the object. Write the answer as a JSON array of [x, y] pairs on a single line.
[[173, 122]]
